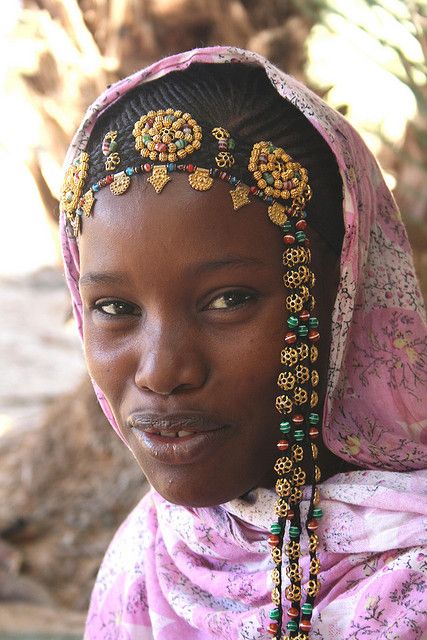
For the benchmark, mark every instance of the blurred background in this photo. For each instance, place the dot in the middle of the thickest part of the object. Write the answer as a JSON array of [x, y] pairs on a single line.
[[65, 479]]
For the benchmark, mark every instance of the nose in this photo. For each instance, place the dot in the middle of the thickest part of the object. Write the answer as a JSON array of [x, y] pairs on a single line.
[[171, 361]]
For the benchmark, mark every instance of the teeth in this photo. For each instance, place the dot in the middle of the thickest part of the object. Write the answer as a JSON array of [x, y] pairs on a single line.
[[179, 434]]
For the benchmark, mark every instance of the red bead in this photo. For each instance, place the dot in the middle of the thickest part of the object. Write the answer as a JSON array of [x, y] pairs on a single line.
[[273, 628], [313, 335], [298, 419], [283, 445], [290, 337], [293, 612], [147, 167], [313, 525], [109, 179], [290, 514], [313, 432], [304, 315], [190, 168], [301, 225], [253, 190], [273, 540], [305, 625], [161, 147], [289, 238]]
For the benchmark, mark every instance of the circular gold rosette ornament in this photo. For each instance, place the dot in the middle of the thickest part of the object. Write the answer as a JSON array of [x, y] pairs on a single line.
[[167, 135], [279, 177]]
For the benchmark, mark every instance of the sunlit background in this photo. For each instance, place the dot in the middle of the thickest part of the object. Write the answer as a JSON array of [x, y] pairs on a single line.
[[366, 58]]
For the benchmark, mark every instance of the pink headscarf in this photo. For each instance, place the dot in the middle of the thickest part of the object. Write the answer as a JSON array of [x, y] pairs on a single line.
[[173, 572]]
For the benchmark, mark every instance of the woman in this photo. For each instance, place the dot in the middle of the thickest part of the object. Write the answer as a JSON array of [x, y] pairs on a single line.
[[215, 214]]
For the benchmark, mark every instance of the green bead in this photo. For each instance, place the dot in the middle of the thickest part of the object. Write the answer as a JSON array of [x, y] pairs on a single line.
[[180, 144], [268, 178], [276, 529], [113, 146], [287, 227], [285, 427], [299, 435], [294, 532], [300, 236], [317, 512], [313, 323], [293, 322], [271, 148], [302, 331], [307, 609], [275, 614], [231, 144], [291, 625], [313, 418], [146, 138], [297, 175]]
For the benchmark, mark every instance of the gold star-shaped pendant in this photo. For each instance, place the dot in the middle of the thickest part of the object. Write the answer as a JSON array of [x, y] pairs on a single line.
[[159, 177]]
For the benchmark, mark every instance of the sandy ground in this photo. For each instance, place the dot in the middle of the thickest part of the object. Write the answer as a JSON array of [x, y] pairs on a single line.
[[40, 353]]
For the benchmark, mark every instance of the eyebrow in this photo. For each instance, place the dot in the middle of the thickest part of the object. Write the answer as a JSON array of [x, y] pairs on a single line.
[[117, 277], [103, 277]]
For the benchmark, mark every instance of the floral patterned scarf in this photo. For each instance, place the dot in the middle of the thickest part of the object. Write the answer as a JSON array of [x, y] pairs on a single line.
[[173, 572]]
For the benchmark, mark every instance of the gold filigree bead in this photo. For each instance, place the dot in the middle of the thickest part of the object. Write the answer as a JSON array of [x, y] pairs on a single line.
[[283, 487], [314, 399], [298, 476], [313, 587], [88, 201], [294, 303], [286, 381], [314, 451], [112, 161], [316, 497], [313, 542], [296, 495], [314, 378], [284, 404], [220, 133], [283, 465], [314, 566], [275, 596], [300, 396], [277, 214], [293, 593], [302, 373], [281, 508], [276, 554], [303, 351], [289, 356], [224, 159], [275, 576], [295, 256], [297, 453], [293, 550], [314, 353], [317, 473], [294, 572]]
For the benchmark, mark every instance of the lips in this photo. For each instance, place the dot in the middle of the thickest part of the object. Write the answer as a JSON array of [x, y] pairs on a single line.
[[179, 438]]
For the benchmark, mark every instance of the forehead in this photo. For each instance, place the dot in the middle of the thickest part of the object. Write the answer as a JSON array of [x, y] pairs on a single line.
[[179, 222]]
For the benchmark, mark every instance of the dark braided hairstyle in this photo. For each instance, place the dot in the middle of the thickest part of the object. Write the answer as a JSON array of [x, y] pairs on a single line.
[[241, 99]]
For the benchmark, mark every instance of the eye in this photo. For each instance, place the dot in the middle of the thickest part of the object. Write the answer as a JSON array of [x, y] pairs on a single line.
[[231, 300], [117, 308]]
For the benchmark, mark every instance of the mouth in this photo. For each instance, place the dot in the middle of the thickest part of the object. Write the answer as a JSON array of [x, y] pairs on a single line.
[[179, 438]]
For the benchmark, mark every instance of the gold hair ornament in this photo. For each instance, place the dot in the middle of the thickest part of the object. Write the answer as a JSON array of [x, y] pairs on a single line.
[[166, 135]]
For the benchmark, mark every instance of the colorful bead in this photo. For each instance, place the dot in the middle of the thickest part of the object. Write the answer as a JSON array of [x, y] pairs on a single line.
[[301, 225], [273, 628], [307, 609], [302, 331], [294, 532], [305, 626], [300, 236], [292, 322], [288, 238], [299, 435], [285, 426], [313, 335], [298, 419], [313, 418], [273, 540], [283, 445], [274, 614], [312, 525], [313, 323], [317, 512], [293, 612], [290, 337], [276, 528], [291, 625], [313, 432]]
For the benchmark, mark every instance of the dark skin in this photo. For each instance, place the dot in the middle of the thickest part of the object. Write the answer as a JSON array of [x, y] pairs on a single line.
[[193, 320]]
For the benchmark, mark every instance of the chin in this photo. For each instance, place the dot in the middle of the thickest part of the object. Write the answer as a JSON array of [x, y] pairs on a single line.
[[195, 497]]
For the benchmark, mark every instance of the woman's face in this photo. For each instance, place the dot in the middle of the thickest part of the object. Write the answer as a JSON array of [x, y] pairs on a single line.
[[184, 320]]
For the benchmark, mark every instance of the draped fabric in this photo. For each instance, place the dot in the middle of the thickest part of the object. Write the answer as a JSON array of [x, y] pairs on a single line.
[[174, 572]]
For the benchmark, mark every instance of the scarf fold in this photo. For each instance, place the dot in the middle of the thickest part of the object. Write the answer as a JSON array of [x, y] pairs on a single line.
[[174, 573]]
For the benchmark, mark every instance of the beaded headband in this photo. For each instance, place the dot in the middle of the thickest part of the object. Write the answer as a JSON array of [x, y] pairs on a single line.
[[164, 138]]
